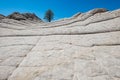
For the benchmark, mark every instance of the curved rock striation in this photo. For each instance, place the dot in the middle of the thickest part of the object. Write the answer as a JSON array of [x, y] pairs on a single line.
[[83, 47]]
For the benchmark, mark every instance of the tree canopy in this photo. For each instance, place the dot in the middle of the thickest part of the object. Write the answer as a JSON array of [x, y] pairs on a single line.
[[49, 15]]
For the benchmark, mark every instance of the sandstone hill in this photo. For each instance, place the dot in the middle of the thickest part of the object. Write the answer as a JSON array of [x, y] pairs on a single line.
[[83, 47], [21, 16]]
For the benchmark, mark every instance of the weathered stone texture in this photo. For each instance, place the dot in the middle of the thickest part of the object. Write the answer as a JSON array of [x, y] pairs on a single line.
[[83, 47]]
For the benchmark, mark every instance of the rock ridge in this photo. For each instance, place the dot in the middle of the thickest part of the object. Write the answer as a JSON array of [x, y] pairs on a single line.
[[21, 16]]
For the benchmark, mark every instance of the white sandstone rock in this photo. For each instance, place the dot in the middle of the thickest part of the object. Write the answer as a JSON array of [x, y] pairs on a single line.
[[83, 47]]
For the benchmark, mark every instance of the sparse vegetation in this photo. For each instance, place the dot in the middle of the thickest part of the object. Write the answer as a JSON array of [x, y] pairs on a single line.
[[49, 15]]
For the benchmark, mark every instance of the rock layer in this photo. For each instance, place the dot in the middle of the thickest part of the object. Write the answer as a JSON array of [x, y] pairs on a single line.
[[83, 47]]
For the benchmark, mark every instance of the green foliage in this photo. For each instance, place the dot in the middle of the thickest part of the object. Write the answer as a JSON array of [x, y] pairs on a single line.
[[49, 15]]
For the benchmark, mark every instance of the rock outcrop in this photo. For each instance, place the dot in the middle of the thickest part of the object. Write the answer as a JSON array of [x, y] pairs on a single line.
[[31, 17], [23, 16], [2, 16], [84, 47], [16, 16]]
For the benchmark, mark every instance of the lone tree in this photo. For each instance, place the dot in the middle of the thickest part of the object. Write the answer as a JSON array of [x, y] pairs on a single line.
[[49, 15]]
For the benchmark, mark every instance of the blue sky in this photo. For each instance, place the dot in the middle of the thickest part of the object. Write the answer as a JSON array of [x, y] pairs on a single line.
[[61, 8]]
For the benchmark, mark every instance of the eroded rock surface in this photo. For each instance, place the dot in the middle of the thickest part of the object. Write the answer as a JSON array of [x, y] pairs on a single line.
[[83, 47], [21, 17], [2, 16]]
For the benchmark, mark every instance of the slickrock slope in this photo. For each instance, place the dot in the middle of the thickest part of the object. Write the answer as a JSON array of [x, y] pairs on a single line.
[[83, 47]]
